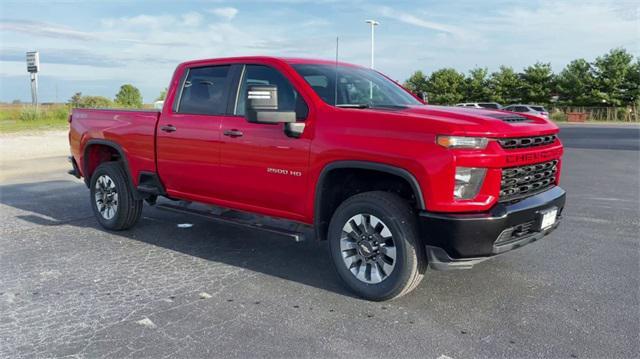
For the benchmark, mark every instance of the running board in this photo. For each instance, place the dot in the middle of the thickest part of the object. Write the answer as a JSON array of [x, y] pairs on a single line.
[[297, 236]]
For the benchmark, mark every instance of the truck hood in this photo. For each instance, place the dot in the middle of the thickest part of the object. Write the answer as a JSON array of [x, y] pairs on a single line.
[[479, 122]]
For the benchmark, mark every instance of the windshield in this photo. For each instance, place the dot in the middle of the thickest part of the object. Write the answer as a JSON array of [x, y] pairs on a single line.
[[538, 108], [357, 87]]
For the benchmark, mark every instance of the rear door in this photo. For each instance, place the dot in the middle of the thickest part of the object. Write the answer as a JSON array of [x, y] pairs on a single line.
[[189, 136], [265, 169]]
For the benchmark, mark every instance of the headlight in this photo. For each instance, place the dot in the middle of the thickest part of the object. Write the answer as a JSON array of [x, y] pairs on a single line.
[[478, 143], [468, 182]]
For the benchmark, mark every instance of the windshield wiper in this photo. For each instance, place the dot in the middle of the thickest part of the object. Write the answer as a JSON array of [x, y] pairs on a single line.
[[354, 105], [370, 105], [388, 105]]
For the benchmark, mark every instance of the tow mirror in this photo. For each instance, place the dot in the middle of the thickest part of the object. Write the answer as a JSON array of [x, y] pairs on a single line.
[[424, 97], [262, 106]]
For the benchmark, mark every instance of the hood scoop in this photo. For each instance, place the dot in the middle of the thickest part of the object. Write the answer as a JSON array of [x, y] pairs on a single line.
[[511, 118]]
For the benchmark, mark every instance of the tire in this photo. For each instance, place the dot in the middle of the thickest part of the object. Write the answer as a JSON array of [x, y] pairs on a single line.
[[393, 262], [112, 198]]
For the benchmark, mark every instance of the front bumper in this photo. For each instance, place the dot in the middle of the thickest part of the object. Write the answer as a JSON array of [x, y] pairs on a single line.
[[460, 240]]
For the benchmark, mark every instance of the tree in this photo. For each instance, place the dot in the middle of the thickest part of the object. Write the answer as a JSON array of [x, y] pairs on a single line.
[[129, 96], [477, 85], [611, 71], [163, 95], [79, 101], [505, 86], [631, 85], [445, 86], [417, 83], [95, 102], [537, 83], [575, 83], [75, 100]]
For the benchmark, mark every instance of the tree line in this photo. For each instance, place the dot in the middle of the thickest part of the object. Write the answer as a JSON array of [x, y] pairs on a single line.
[[129, 97], [610, 80]]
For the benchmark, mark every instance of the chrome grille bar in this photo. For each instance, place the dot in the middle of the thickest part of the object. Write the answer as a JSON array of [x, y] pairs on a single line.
[[523, 142], [524, 181]]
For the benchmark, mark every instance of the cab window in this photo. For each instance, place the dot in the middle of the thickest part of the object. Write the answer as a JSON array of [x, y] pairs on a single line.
[[204, 91], [288, 98]]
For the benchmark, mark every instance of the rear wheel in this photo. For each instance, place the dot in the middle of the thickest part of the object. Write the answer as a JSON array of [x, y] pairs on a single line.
[[375, 246], [112, 198]]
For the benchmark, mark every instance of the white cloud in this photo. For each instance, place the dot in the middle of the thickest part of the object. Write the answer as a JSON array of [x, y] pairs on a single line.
[[145, 48], [417, 21], [560, 31], [139, 21], [44, 29], [315, 23], [227, 13], [191, 19]]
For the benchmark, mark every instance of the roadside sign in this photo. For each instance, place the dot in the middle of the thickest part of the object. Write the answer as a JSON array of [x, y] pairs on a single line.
[[33, 62]]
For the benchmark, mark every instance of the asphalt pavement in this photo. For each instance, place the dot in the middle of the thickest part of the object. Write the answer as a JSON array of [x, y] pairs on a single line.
[[68, 288]]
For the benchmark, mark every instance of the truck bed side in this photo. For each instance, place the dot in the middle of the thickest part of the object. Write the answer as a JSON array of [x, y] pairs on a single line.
[[95, 134]]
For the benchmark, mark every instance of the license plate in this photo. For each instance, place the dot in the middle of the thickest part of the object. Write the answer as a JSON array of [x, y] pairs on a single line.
[[548, 218]]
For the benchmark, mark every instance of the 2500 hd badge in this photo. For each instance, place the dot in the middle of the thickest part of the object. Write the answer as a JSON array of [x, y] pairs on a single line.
[[280, 171]]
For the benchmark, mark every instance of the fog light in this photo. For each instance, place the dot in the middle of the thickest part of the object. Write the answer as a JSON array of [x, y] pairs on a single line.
[[468, 182]]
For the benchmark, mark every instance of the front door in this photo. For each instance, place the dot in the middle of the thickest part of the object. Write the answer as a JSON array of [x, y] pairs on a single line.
[[265, 169], [189, 136]]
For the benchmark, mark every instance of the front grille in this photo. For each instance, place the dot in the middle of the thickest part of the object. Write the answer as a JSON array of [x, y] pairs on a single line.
[[524, 181], [523, 142]]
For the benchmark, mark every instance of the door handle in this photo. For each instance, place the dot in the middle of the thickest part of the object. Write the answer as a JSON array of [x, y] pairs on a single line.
[[168, 128], [233, 133]]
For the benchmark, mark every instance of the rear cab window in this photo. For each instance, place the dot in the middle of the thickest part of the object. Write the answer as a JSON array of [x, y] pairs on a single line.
[[205, 91]]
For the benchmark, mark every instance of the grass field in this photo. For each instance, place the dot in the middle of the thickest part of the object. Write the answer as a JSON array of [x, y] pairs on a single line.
[[24, 118]]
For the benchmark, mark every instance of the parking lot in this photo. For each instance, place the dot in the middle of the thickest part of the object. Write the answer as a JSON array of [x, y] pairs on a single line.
[[69, 288]]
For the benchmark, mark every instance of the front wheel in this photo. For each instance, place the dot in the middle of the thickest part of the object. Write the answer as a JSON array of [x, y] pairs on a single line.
[[375, 246], [112, 198]]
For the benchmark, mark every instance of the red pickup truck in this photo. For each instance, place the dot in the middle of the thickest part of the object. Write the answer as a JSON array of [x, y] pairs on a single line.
[[394, 185]]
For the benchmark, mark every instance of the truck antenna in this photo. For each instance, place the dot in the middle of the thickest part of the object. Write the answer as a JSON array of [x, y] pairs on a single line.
[[335, 93]]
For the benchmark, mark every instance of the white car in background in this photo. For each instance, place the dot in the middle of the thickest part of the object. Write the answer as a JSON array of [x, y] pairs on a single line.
[[489, 105], [530, 109]]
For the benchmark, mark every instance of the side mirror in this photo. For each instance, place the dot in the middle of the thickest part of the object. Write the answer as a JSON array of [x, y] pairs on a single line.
[[262, 106], [424, 97]]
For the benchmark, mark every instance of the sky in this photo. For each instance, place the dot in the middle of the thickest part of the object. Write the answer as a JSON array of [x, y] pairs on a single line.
[[93, 47]]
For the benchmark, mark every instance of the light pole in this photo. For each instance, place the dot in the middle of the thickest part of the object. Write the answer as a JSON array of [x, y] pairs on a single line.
[[373, 24]]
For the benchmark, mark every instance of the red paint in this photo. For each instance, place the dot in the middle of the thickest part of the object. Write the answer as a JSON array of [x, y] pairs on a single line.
[[198, 163]]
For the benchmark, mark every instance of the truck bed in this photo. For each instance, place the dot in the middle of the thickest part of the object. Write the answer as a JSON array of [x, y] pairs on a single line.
[[131, 131]]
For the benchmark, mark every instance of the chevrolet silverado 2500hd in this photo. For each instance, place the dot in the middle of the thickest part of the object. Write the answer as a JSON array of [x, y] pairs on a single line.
[[394, 185]]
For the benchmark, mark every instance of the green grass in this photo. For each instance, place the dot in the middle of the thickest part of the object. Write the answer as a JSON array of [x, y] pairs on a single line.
[[24, 118]]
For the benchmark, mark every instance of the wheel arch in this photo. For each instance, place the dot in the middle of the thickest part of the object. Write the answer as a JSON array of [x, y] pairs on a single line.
[[89, 163], [324, 207]]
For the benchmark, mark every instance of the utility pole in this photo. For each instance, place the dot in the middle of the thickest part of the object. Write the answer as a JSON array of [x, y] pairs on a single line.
[[373, 24]]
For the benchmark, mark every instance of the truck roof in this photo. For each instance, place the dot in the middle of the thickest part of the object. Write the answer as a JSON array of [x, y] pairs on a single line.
[[288, 60]]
